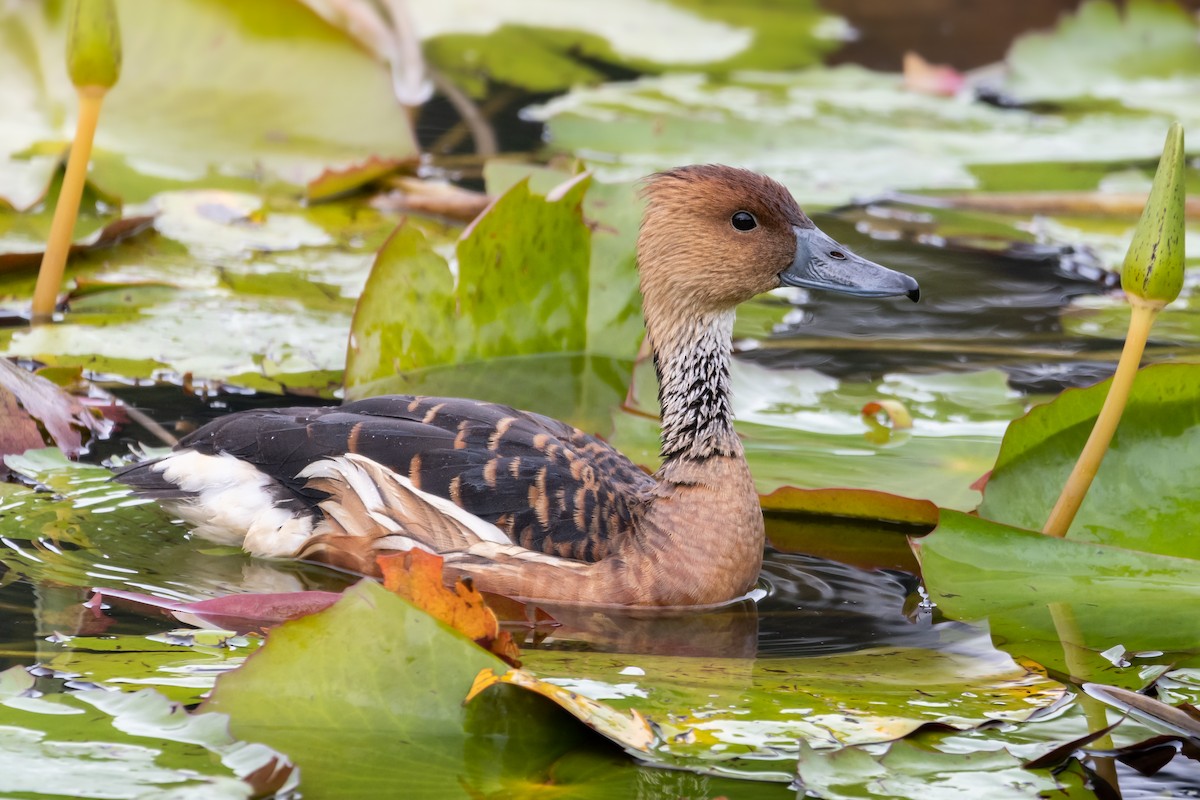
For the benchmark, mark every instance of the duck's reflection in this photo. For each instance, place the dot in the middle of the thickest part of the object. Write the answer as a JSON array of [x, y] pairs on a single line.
[[806, 606]]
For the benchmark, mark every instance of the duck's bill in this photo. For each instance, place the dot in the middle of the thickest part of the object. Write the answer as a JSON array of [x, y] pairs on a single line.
[[822, 263]]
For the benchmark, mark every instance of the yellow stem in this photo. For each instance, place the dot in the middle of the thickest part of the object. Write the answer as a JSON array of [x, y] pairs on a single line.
[[1141, 318], [58, 247]]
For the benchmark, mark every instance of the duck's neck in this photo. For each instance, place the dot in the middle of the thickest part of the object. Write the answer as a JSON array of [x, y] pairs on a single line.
[[691, 358]]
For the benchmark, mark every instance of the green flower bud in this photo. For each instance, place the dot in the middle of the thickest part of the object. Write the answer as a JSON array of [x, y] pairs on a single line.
[[1153, 269], [93, 43]]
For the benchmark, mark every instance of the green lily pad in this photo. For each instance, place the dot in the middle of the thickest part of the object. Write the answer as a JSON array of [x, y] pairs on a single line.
[[832, 134], [181, 668], [910, 771], [102, 744], [291, 275], [744, 716], [1143, 494], [332, 688], [976, 569], [263, 91], [418, 329], [525, 251], [560, 45], [1134, 56]]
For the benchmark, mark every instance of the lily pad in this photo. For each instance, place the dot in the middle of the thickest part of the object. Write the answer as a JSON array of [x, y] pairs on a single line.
[[1133, 55], [102, 744], [976, 569], [1143, 494], [744, 716], [909, 771], [561, 44], [420, 329], [831, 134], [27, 401], [373, 670], [180, 668], [263, 91], [291, 274]]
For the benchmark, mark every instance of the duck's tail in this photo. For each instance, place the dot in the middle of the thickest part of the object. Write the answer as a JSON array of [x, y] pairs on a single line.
[[371, 510]]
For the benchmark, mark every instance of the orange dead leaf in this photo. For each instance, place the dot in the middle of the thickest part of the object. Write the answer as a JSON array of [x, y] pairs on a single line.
[[416, 575]]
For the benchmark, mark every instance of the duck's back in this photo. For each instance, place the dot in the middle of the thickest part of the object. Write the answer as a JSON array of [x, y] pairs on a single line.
[[549, 486]]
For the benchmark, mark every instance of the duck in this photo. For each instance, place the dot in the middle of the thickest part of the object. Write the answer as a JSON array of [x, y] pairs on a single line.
[[523, 505]]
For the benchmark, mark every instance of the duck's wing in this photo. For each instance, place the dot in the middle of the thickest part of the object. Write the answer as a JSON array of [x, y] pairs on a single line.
[[550, 487]]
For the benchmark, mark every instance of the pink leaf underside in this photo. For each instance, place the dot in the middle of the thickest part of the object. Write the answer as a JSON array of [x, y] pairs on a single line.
[[242, 613]]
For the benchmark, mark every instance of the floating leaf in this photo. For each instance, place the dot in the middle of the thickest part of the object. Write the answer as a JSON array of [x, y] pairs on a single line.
[[179, 667], [908, 771], [560, 45], [108, 744], [334, 183], [236, 612], [1132, 55], [288, 275], [1153, 712], [373, 669], [1143, 494], [111, 234], [975, 569], [262, 90], [854, 503], [744, 716], [418, 330], [831, 135], [630, 730]]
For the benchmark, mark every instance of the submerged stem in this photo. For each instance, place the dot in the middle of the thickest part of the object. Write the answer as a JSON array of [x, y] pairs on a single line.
[[1141, 318], [1075, 656], [58, 247]]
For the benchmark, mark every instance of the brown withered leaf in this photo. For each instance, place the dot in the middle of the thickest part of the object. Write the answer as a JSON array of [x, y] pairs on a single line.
[[26, 400], [436, 198], [416, 576], [18, 431]]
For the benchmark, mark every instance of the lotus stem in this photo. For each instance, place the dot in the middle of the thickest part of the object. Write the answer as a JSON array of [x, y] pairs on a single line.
[[1063, 514], [54, 261], [1152, 277], [94, 64]]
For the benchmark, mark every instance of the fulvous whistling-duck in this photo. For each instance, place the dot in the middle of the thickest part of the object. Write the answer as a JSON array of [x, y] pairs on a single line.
[[527, 506]]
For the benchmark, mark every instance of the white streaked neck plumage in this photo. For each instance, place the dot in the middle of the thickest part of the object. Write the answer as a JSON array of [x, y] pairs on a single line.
[[691, 358]]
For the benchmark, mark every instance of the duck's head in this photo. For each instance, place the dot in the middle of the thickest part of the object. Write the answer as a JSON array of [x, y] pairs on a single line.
[[715, 236]]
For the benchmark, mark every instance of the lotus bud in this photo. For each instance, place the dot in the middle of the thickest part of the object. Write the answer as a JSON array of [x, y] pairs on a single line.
[[1153, 270], [93, 44]]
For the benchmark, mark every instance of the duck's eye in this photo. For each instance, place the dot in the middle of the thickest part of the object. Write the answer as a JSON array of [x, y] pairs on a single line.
[[744, 221], [838, 254]]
